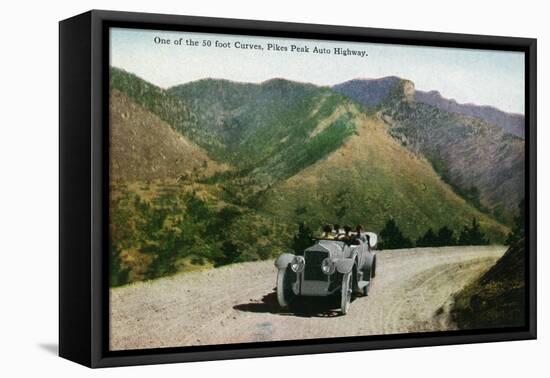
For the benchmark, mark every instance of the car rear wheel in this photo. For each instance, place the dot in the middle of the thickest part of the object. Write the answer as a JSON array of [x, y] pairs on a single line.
[[345, 295], [284, 287], [369, 274], [354, 280]]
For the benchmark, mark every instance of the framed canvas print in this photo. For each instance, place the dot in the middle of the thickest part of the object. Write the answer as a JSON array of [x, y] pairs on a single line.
[[233, 188]]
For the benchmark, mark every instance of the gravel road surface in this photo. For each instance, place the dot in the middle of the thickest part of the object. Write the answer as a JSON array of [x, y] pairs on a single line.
[[237, 303]]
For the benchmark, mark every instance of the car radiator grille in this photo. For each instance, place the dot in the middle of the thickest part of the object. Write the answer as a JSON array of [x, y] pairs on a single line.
[[312, 269]]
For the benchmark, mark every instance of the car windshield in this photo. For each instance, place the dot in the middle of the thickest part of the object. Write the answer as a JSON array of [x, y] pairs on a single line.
[[330, 241], [341, 242]]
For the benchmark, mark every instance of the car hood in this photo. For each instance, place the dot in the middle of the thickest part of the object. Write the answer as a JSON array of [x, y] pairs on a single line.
[[333, 247]]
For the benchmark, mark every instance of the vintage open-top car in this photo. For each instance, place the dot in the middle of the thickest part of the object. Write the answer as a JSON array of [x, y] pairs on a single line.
[[329, 267]]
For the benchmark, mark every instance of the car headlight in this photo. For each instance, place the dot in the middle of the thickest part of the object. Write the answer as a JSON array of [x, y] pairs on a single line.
[[327, 266], [298, 263]]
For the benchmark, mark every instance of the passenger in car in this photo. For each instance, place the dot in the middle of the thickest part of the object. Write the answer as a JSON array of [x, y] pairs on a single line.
[[347, 235], [327, 232]]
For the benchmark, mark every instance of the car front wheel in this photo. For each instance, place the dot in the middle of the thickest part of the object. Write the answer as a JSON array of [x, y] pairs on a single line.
[[284, 287], [345, 296]]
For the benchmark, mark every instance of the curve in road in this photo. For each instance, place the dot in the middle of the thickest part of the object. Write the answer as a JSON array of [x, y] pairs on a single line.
[[412, 292]]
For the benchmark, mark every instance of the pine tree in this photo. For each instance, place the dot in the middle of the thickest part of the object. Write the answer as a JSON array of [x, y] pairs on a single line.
[[429, 239], [472, 235], [445, 237], [518, 230], [392, 237]]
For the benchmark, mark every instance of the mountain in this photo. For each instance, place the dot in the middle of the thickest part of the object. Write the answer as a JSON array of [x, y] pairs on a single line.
[[372, 92], [369, 92], [480, 160], [271, 130], [233, 111], [170, 109], [254, 160], [284, 128], [510, 122], [144, 147], [370, 179]]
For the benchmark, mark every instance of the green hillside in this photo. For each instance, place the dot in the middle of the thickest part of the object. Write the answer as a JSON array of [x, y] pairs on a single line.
[[269, 129], [233, 111], [144, 147]]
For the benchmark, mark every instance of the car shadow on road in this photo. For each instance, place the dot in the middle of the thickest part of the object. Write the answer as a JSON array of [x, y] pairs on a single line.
[[306, 307]]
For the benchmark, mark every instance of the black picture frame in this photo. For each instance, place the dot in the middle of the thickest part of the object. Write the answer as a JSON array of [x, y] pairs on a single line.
[[83, 181]]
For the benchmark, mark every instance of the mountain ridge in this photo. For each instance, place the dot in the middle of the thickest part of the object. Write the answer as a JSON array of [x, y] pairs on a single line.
[[514, 123], [480, 160]]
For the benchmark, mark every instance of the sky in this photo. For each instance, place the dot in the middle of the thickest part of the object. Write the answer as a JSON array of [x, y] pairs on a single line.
[[481, 77]]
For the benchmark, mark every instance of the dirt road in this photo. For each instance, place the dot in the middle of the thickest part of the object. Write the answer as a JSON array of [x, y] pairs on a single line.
[[237, 303]]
